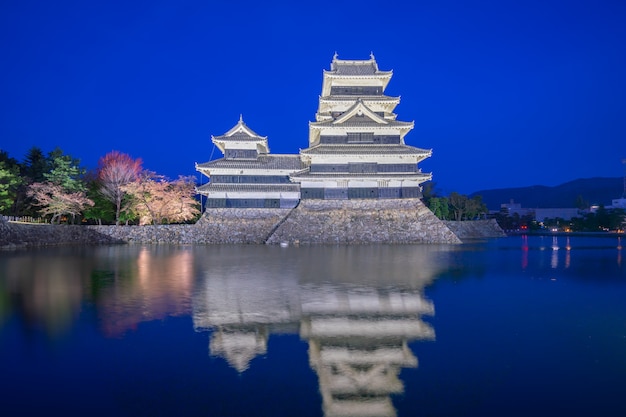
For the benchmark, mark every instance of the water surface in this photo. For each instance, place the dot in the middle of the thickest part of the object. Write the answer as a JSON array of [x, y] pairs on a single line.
[[509, 327]]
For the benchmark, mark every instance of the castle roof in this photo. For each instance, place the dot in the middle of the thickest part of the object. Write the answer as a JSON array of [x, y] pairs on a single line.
[[360, 115], [348, 67], [348, 175], [241, 133], [278, 162], [365, 70], [239, 187], [350, 98], [365, 149]]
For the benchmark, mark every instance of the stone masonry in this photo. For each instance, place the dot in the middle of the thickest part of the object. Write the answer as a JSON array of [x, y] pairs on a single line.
[[405, 221], [364, 221]]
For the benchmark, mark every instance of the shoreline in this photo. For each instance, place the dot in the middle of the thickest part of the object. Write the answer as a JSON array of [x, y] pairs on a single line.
[[579, 234], [369, 223]]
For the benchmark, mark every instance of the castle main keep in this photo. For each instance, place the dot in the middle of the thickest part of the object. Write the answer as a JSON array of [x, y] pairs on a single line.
[[356, 176], [356, 150]]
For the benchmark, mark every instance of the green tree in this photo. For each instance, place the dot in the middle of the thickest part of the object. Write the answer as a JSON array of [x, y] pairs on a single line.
[[9, 183], [435, 206], [458, 204], [102, 210], [35, 165], [474, 207], [440, 207], [64, 191], [65, 171]]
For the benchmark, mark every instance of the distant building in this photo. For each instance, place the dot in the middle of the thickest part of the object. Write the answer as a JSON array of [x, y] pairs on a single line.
[[618, 203], [539, 214], [512, 208]]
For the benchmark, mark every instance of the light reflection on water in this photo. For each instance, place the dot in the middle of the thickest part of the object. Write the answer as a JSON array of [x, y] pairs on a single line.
[[361, 311]]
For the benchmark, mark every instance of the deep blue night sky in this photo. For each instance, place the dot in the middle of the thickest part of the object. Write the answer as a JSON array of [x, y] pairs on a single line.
[[505, 94]]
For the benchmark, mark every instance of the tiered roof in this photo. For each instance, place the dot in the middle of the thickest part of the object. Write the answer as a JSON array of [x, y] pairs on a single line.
[[358, 118], [345, 69], [241, 135], [239, 187], [274, 162], [365, 149]]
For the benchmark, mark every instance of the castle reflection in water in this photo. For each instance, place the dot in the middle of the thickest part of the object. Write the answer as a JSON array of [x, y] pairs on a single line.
[[356, 307], [356, 310], [357, 319]]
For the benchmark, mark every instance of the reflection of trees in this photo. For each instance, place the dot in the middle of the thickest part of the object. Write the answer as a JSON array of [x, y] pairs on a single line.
[[45, 288], [142, 284], [129, 284]]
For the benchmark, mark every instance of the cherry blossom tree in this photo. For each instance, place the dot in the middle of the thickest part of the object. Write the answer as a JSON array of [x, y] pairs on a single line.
[[157, 200], [56, 201], [115, 170]]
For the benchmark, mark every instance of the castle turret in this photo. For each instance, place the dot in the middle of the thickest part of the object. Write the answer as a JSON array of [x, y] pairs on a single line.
[[248, 176]]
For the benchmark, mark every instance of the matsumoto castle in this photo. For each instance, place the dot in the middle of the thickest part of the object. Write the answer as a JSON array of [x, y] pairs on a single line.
[[356, 150]]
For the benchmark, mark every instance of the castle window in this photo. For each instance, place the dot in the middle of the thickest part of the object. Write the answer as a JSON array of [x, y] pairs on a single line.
[[361, 137]]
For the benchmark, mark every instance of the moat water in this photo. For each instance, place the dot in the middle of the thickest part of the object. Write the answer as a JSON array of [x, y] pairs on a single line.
[[514, 326]]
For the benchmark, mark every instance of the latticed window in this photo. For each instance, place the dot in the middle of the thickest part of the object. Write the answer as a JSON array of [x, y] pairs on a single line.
[[356, 90], [361, 137], [362, 167]]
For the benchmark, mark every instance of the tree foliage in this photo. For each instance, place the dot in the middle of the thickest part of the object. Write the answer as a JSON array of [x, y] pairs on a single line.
[[63, 191], [158, 201], [9, 183], [35, 165], [56, 201], [65, 171], [115, 170], [102, 209], [602, 219], [454, 207]]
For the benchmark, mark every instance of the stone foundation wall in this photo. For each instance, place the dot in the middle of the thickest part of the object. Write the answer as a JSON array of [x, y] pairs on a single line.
[[311, 222], [362, 221], [19, 235], [476, 229], [216, 226]]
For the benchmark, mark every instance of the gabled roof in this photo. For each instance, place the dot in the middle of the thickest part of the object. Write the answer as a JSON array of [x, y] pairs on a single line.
[[358, 118], [241, 133], [360, 109]]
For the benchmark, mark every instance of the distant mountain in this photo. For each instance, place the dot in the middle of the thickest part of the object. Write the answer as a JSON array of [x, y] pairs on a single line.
[[592, 190]]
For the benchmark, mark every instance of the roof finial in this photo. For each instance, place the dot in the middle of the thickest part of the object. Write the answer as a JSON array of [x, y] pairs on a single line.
[[372, 56], [240, 118], [335, 56]]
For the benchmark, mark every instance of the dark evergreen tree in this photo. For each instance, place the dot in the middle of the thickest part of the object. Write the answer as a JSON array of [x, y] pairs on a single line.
[[35, 165]]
